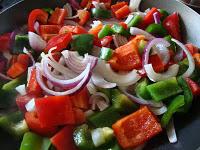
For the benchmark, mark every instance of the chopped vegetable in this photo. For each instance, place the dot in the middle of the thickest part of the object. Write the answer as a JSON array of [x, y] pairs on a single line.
[[156, 29], [58, 16], [106, 30], [21, 41], [106, 53], [100, 13], [135, 21], [118, 29]]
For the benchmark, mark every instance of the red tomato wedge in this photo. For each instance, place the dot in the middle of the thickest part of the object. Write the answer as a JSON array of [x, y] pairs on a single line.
[[136, 128], [16, 70], [58, 16], [49, 29], [195, 88], [72, 29], [149, 19]]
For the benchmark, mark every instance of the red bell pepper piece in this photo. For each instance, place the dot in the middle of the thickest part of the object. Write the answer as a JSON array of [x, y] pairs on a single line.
[[47, 37], [84, 16], [106, 41], [33, 87], [149, 19], [60, 41], [136, 128], [72, 29], [81, 99], [16, 70], [63, 140], [79, 116], [124, 25], [94, 31], [35, 125], [5, 42], [197, 59], [23, 59], [84, 3], [192, 48], [195, 88], [172, 25], [122, 12], [36, 15], [117, 6], [49, 29], [157, 63], [58, 16], [54, 110]]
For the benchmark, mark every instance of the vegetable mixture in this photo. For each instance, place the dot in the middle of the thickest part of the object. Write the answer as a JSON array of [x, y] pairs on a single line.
[[96, 75]]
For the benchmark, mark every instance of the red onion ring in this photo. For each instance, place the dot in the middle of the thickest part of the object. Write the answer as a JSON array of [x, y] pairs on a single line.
[[137, 31], [156, 17]]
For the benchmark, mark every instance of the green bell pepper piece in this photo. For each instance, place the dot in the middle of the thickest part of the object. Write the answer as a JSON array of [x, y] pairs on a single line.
[[164, 14], [188, 97], [141, 89], [100, 13], [141, 45], [135, 21], [173, 107], [118, 29], [164, 89], [156, 29], [82, 138], [13, 84], [106, 53], [48, 10], [122, 103], [106, 30], [34, 142], [173, 45], [21, 41], [82, 43], [100, 119]]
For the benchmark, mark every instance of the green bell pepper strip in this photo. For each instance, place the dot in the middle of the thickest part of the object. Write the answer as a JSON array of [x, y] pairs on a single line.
[[141, 89], [188, 97], [82, 43], [33, 141], [100, 119], [156, 29], [173, 107], [106, 53], [121, 103], [173, 45], [11, 85], [164, 89], [118, 29], [82, 138], [164, 14], [135, 21], [141, 45], [21, 41], [106, 30], [100, 13], [48, 10]]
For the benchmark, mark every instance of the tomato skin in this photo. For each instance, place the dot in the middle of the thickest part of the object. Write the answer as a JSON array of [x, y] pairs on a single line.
[[195, 88], [16, 70], [23, 59], [35, 126], [84, 16], [58, 112], [5, 42], [172, 25], [63, 140], [58, 16], [60, 41], [36, 15]]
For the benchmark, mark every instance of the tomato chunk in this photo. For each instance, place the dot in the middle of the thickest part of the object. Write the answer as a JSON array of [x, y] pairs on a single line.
[[58, 16], [137, 128], [157, 63], [72, 29], [16, 70], [49, 29]]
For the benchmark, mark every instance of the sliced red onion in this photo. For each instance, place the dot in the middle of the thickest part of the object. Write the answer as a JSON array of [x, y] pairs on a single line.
[[70, 22], [120, 79], [36, 27], [134, 5], [179, 55], [119, 40], [89, 113], [171, 133], [163, 52], [152, 43], [36, 42], [7, 55], [156, 17], [21, 89], [159, 111], [137, 31], [76, 62], [98, 5], [4, 77], [73, 90], [50, 85], [30, 55], [140, 100], [96, 51], [191, 67], [68, 7], [102, 105], [29, 73], [91, 88], [154, 76], [30, 106], [99, 81], [74, 4]]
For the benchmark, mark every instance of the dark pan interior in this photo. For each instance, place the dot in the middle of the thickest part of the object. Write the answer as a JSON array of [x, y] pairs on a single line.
[[188, 126]]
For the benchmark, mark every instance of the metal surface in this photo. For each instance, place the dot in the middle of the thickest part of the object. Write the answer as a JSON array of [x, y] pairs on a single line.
[[188, 125]]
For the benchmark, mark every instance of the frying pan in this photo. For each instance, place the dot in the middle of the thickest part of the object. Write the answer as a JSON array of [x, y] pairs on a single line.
[[187, 126]]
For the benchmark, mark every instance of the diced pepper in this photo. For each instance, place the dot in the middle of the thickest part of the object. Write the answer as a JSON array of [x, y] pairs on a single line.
[[118, 5], [49, 29], [141, 89], [172, 25], [5, 42], [100, 119], [11, 85], [35, 125], [173, 107], [60, 41], [124, 25], [34, 142], [157, 63], [137, 128], [58, 16], [163, 13], [82, 138], [195, 88], [188, 97], [118, 29], [100, 13], [16, 70], [106, 41], [164, 89], [82, 43], [135, 21], [106, 53], [36, 15], [73, 29], [156, 29], [197, 59], [21, 41], [94, 31], [63, 140], [23, 59], [58, 112], [84, 16], [106, 30], [149, 19], [122, 12], [47, 37]]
